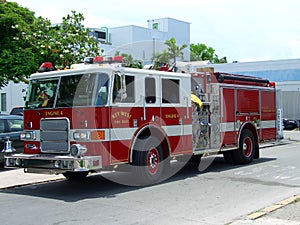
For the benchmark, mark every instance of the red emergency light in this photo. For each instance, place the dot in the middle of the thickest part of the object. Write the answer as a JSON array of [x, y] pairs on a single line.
[[118, 58], [272, 84], [46, 67], [98, 59], [164, 67]]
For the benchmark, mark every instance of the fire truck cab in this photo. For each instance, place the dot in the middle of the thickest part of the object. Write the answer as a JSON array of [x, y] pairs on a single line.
[[98, 115]]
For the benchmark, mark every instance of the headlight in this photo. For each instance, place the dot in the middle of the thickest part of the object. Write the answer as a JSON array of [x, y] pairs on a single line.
[[27, 135], [81, 135]]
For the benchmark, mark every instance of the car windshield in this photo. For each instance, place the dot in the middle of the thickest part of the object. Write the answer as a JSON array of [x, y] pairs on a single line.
[[68, 91]]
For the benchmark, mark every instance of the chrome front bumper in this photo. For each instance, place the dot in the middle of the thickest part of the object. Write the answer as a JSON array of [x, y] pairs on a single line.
[[52, 164]]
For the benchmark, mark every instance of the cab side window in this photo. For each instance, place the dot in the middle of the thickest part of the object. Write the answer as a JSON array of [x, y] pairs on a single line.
[[150, 91], [170, 91], [130, 89], [116, 89], [129, 81]]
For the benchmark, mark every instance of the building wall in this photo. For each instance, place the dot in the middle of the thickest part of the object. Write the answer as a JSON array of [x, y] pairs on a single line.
[[142, 43], [274, 70], [12, 96], [289, 101]]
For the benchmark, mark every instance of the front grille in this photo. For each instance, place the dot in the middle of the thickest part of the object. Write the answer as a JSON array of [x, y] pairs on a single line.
[[54, 135]]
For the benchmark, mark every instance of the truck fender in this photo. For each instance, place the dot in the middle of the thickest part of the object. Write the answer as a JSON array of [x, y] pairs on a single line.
[[151, 129], [250, 126]]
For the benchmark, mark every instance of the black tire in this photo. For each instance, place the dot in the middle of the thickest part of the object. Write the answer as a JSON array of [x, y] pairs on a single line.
[[192, 162], [229, 157], [195, 159], [75, 176], [149, 164], [246, 151]]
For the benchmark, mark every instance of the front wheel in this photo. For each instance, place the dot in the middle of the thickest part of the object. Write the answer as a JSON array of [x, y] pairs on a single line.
[[246, 151], [229, 157], [149, 163], [75, 176]]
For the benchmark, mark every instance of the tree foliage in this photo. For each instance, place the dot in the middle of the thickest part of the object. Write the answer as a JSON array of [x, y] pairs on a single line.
[[161, 59], [170, 54], [129, 61], [174, 50], [203, 52], [17, 60], [63, 44], [27, 41]]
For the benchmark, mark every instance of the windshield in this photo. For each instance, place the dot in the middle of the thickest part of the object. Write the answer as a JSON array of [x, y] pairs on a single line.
[[75, 90], [41, 93]]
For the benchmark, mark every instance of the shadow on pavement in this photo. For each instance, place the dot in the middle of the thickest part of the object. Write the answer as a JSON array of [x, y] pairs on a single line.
[[97, 186]]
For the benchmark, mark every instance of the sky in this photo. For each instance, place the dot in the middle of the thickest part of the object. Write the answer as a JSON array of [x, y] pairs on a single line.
[[241, 30]]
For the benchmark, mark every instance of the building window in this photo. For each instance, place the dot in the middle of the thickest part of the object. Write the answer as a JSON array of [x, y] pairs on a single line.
[[100, 35], [155, 26], [3, 102]]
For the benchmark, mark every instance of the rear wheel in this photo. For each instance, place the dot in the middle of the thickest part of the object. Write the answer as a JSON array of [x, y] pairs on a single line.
[[148, 160], [246, 151]]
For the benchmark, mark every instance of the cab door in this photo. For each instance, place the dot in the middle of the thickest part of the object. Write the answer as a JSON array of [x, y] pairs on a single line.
[[125, 115]]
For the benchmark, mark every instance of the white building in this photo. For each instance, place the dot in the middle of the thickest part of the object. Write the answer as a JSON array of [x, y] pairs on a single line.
[[12, 96], [143, 42]]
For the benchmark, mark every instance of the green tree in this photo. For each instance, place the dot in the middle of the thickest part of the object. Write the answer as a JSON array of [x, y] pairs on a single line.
[[63, 44], [174, 50], [129, 61], [27, 41], [160, 59], [203, 52], [17, 58], [168, 55], [76, 41]]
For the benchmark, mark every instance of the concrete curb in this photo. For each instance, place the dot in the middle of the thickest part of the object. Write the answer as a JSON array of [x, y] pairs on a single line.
[[272, 208], [271, 215]]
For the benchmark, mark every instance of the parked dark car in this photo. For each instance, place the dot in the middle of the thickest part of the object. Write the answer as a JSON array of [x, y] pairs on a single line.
[[17, 111], [11, 127], [290, 124]]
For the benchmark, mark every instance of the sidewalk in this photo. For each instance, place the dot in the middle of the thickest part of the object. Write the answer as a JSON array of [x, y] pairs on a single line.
[[291, 135], [17, 177]]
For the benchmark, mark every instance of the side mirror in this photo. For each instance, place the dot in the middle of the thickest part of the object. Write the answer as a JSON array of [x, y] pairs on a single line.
[[122, 88]]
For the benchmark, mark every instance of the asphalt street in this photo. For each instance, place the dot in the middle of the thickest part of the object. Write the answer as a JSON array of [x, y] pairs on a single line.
[[285, 211]]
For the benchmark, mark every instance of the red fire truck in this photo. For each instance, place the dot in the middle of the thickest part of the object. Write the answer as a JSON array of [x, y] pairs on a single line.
[[99, 115]]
